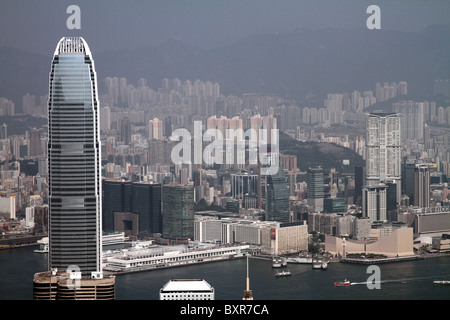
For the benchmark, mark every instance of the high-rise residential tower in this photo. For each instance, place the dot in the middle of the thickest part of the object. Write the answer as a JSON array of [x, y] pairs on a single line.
[[74, 160], [411, 115], [383, 149]]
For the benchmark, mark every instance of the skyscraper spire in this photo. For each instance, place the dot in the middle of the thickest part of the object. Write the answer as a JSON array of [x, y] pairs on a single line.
[[247, 292]]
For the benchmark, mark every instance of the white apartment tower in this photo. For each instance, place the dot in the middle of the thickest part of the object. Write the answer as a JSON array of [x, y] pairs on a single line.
[[383, 149]]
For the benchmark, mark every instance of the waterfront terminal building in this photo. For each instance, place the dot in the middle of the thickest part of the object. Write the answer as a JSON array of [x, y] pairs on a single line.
[[187, 289]]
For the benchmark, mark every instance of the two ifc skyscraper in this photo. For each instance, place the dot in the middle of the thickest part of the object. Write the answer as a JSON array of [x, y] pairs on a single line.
[[75, 195], [75, 238]]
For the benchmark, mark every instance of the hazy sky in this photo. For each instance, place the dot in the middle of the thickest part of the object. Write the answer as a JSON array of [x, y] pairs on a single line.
[[114, 24]]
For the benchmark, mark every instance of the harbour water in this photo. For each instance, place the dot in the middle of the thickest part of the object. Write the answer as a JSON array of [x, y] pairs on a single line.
[[398, 281]]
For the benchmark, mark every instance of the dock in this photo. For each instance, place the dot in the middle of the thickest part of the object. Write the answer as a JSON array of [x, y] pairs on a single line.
[[381, 260]]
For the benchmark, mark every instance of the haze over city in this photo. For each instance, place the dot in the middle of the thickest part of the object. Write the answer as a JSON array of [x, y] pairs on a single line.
[[115, 25]]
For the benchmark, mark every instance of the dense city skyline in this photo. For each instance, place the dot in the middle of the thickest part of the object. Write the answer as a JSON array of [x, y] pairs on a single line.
[[321, 141]]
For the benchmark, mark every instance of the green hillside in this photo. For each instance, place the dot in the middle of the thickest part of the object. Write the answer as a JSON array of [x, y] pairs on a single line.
[[326, 155]]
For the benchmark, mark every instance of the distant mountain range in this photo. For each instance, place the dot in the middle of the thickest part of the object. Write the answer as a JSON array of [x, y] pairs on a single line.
[[293, 65]]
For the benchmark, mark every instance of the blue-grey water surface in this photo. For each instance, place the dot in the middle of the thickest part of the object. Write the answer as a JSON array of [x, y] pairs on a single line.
[[399, 281]]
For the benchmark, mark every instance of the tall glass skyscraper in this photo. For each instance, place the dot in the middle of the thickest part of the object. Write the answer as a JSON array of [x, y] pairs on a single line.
[[315, 188], [178, 212], [277, 197], [74, 161]]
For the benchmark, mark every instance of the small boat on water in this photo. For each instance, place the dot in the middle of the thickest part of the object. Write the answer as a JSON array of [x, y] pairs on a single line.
[[283, 273], [43, 245], [441, 282], [342, 283], [299, 260], [320, 264], [276, 262]]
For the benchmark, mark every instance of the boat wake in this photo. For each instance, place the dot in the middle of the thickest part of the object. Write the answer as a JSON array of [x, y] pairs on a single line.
[[404, 281]]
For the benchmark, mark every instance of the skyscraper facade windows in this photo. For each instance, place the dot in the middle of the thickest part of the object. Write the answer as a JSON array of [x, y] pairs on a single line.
[[315, 188], [178, 212], [422, 186], [277, 197], [374, 202], [140, 200]]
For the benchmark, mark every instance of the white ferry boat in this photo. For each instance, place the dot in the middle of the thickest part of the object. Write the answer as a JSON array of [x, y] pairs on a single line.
[[43, 245], [276, 262], [283, 273], [441, 282], [168, 256], [319, 263], [299, 260]]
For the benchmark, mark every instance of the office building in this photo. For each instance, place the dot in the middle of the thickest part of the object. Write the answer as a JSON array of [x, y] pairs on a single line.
[[3, 131], [74, 160], [74, 200], [315, 193], [374, 202], [146, 203], [131, 207], [335, 205], [178, 212], [392, 201], [277, 198], [359, 183], [125, 131], [113, 201], [422, 186], [408, 179], [242, 184]]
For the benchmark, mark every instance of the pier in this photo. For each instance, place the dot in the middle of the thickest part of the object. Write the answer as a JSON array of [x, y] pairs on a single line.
[[381, 260]]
